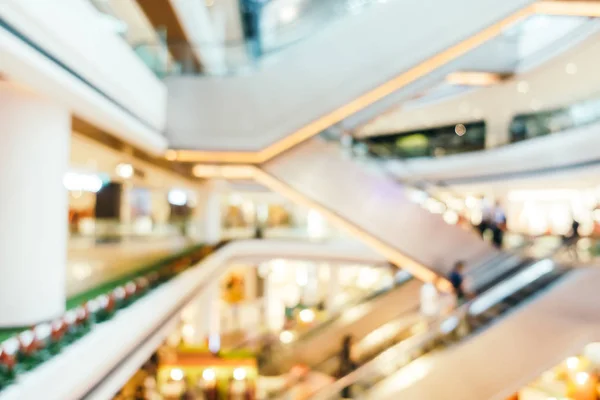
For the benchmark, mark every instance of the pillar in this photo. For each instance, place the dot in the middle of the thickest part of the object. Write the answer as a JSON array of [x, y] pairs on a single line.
[[34, 158], [333, 289], [213, 219], [498, 129], [213, 312]]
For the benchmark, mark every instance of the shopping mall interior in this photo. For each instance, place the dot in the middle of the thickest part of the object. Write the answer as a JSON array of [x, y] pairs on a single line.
[[299, 199]]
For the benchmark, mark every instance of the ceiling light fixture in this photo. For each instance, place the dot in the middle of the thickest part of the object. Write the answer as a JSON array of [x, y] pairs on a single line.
[[523, 87], [473, 78], [460, 129], [571, 69], [125, 171]]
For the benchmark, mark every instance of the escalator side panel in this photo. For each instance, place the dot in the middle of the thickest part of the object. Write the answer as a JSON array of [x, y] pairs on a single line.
[[378, 205], [401, 301]]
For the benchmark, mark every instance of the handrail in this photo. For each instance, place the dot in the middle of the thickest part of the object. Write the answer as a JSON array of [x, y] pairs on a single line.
[[440, 327]]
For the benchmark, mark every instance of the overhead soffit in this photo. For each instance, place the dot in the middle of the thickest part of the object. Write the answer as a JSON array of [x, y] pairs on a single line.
[[549, 7]]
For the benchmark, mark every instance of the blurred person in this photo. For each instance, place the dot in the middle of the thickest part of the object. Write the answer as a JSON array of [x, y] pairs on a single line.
[[571, 238], [346, 364], [457, 279], [498, 226], [486, 218]]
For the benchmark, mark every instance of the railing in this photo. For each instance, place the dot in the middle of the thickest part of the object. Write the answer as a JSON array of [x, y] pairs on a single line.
[[268, 27], [470, 137], [31, 347], [433, 142], [527, 126], [446, 328]]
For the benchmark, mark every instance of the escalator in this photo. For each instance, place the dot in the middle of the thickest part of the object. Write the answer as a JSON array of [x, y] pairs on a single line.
[[318, 344], [321, 354], [520, 285], [374, 206]]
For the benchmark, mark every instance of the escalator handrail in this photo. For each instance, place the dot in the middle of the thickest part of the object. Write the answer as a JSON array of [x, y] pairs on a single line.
[[438, 327], [329, 321], [404, 347]]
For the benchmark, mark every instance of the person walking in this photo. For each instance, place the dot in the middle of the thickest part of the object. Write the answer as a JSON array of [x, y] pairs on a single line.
[[347, 365], [570, 240]]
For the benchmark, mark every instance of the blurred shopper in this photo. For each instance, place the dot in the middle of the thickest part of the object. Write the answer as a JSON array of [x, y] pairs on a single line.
[[346, 364], [486, 218], [457, 280], [498, 226], [259, 232], [571, 239]]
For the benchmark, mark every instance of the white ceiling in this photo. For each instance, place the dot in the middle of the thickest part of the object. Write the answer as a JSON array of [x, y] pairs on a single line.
[[329, 69]]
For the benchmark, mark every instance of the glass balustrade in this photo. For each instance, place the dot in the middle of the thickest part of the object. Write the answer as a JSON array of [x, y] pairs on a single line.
[[434, 142], [469, 137], [528, 126]]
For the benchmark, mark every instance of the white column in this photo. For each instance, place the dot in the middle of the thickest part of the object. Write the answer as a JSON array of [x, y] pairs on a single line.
[[213, 312], [498, 129], [333, 289], [213, 219], [34, 157]]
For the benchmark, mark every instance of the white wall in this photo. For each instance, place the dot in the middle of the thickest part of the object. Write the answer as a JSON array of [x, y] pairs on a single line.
[[71, 31]]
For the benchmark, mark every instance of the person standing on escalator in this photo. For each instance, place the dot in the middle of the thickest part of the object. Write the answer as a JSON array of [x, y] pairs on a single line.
[[570, 240], [498, 226], [347, 365], [457, 280]]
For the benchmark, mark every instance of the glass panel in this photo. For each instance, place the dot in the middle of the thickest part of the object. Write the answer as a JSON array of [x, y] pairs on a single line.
[[527, 126], [433, 142]]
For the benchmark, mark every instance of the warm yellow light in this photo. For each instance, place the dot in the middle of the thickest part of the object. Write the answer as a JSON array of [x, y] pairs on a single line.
[[239, 374], [176, 374], [209, 375], [125, 171], [286, 337], [572, 363], [582, 378], [171, 155], [569, 8], [473, 78], [307, 315]]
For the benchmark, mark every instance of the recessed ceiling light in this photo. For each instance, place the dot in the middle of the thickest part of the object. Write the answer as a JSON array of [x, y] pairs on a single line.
[[523, 87], [473, 78], [571, 69], [125, 171]]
